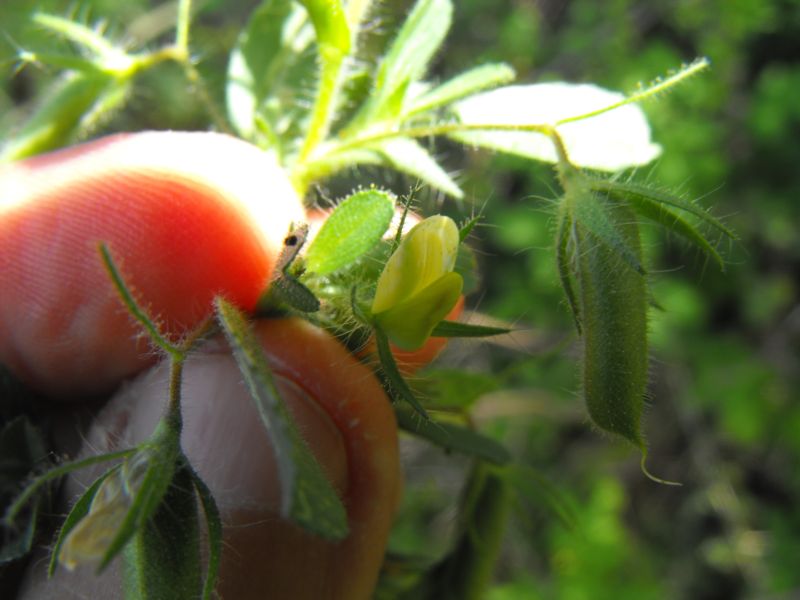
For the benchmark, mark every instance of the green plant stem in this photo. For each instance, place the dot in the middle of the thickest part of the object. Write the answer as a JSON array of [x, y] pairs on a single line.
[[57, 472], [311, 168], [133, 307], [182, 25], [652, 90], [174, 416], [327, 99]]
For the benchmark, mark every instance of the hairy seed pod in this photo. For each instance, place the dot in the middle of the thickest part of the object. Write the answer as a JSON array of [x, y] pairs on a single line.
[[612, 297]]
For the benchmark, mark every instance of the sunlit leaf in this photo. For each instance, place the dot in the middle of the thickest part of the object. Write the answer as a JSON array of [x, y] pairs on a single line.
[[352, 229], [408, 156], [270, 68], [460, 86], [71, 108], [610, 141], [411, 51], [307, 496]]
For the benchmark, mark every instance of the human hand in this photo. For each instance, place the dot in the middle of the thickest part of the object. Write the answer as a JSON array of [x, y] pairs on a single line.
[[190, 216]]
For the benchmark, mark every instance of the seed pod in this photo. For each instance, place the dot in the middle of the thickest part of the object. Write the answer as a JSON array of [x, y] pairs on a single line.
[[612, 297]]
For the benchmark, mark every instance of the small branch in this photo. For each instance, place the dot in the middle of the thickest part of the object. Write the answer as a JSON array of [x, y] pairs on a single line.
[[133, 307], [182, 25], [650, 91]]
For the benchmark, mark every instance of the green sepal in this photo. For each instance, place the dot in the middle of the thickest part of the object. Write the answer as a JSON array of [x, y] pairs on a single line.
[[79, 510], [351, 230], [214, 531], [592, 212], [410, 323], [565, 235], [633, 192], [307, 497]]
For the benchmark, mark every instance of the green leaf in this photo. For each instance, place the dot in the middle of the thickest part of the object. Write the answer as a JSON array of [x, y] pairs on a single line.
[[352, 230], [108, 56], [268, 71], [162, 562], [452, 437], [672, 221], [214, 531], [592, 212], [72, 107], [467, 83], [633, 192], [398, 387], [610, 141], [406, 155], [455, 329], [330, 25], [307, 497], [411, 51], [409, 323]]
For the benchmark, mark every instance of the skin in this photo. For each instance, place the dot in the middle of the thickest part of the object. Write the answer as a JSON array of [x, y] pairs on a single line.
[[190, 216]]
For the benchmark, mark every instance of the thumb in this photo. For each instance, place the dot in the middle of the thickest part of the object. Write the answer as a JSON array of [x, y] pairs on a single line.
[[188, 215], [342, 413]]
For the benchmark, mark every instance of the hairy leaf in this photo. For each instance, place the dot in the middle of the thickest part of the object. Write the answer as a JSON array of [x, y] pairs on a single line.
[[467, 83], [410, 53], [398, 388], [71, 109], [353, 229], [593, 213], [406, 155], [307, 497], [270, 73]]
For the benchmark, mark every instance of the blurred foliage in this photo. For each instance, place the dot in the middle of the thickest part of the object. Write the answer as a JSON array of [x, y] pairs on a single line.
[[724, 416]]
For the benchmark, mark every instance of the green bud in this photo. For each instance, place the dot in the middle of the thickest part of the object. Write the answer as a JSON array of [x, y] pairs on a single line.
[[417, 287]]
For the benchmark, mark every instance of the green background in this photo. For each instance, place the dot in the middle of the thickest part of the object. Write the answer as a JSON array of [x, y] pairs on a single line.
[[723, 416]]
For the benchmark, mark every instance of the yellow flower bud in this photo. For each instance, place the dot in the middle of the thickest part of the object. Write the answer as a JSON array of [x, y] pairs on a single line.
[[417, 287]]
